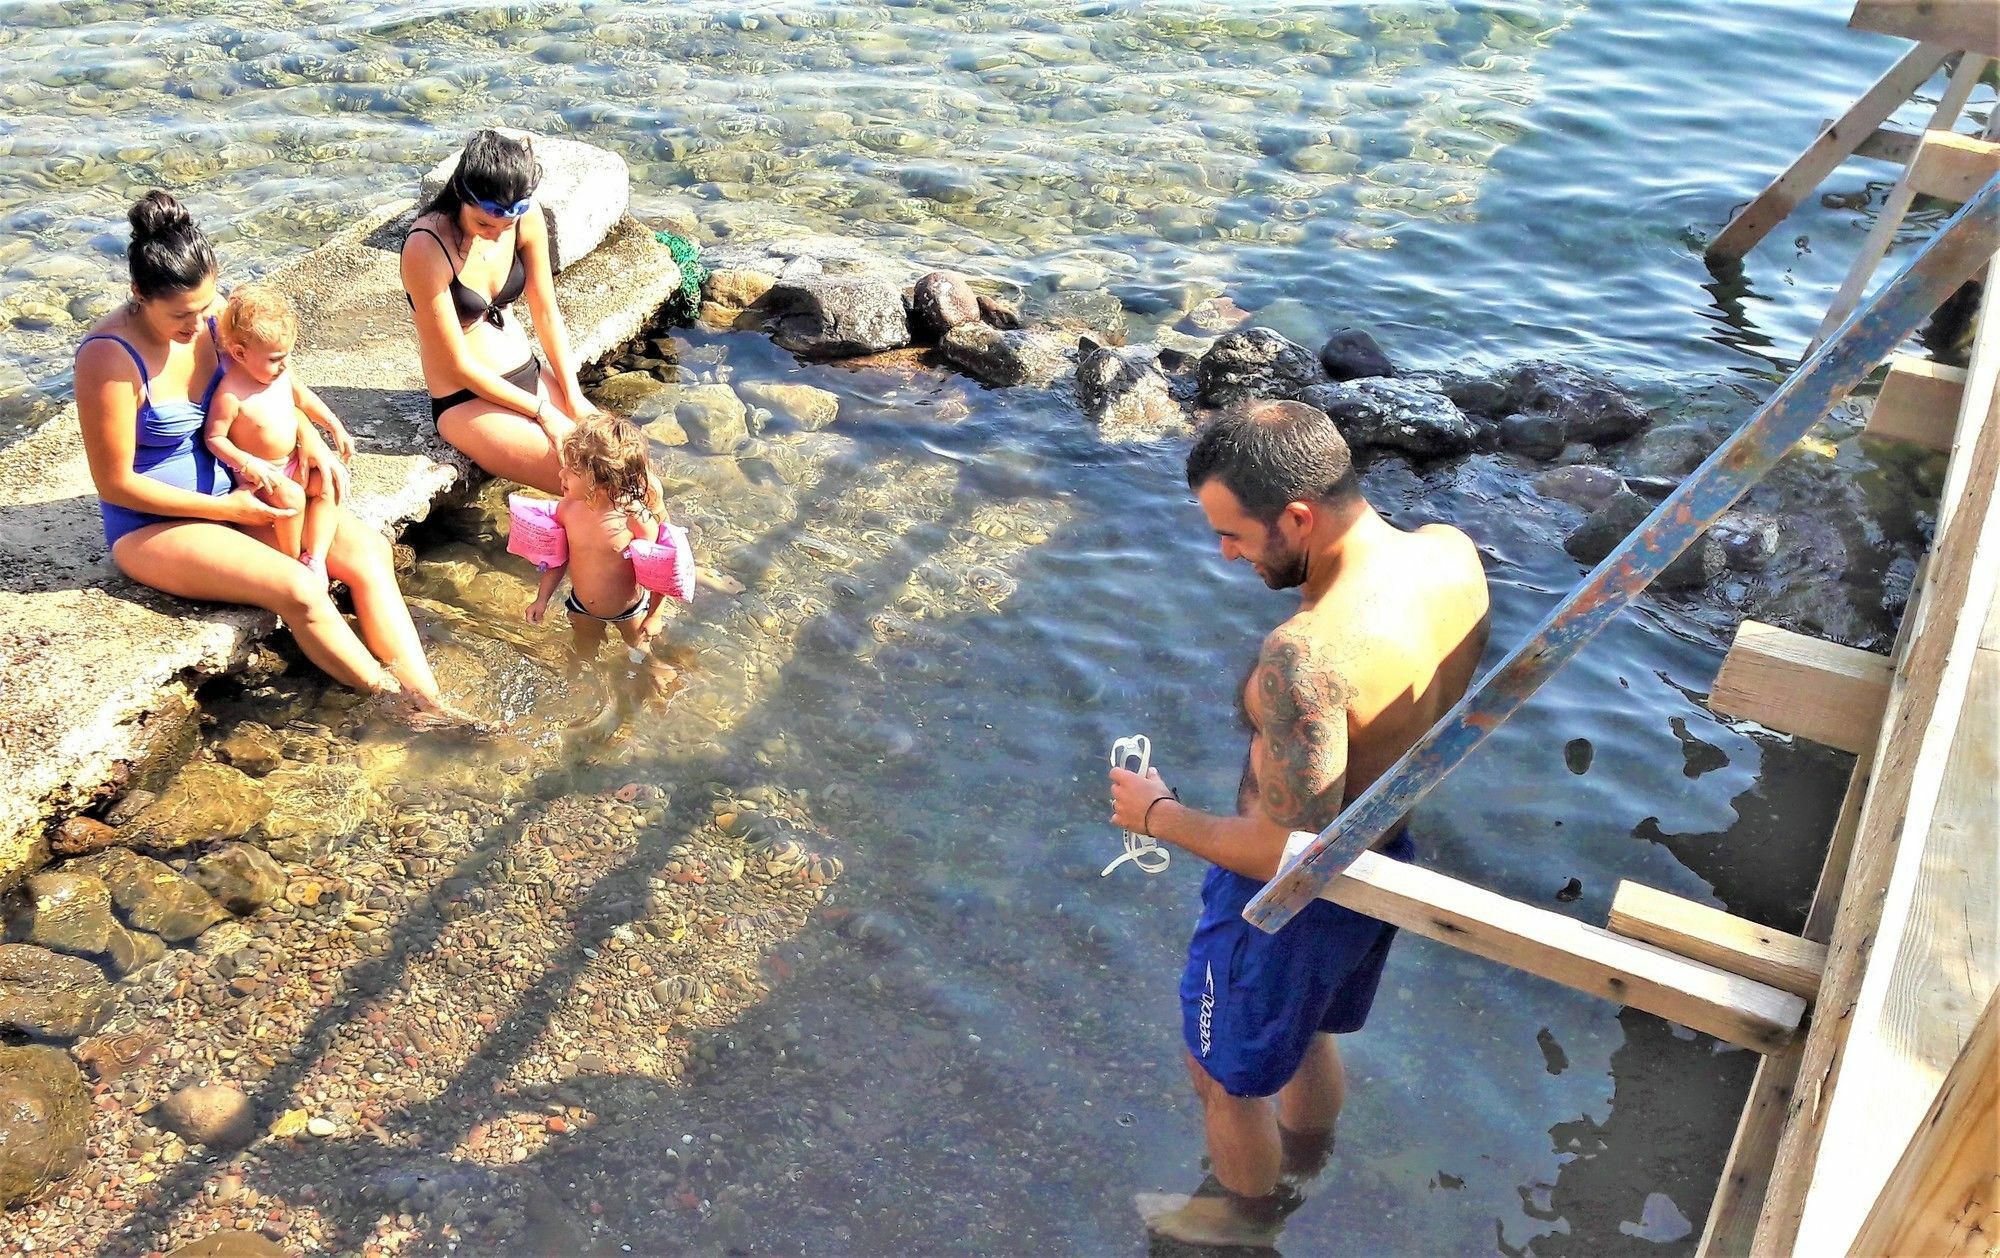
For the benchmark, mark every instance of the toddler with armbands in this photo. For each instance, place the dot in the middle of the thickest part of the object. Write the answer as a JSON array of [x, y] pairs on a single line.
[[609, 534]]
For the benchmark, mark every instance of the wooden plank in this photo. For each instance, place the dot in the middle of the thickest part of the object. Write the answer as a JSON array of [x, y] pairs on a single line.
[[1935, 962], [1835, 143], [1951, 167], [1918, 403], [1911, 754], [1889, 219], [1973, 25], [1886, 144], [1817, 690], [1717, 938], [1982, 390], [1576, 954], [1967, 242], [1944, 1195], [1739, 1194]]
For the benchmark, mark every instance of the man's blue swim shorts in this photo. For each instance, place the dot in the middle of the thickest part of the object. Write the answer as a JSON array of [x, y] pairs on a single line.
[[1251, 1002]]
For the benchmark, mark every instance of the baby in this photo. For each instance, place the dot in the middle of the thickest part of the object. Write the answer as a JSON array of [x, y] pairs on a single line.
[[258, 417], [610, 499]]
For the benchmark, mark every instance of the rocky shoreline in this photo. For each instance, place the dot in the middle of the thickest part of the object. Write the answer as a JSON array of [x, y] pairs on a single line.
[[201, 949]]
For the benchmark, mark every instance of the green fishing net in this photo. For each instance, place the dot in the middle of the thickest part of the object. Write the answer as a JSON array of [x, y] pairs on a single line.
[[682, 306]]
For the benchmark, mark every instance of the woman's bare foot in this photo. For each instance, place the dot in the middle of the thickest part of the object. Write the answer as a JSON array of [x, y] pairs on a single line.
[[424, 714]]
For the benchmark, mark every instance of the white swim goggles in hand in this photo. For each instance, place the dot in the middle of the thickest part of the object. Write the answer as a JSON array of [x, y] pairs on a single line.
[[1136, 753]]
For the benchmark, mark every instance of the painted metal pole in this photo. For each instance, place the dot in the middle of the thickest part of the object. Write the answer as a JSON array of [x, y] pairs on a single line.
[[1967, 243]]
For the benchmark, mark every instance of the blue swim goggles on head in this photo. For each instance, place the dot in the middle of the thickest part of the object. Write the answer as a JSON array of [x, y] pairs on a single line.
[[497, 210]]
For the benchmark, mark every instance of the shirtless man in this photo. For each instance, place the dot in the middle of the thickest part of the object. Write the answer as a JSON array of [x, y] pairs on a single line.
[[1389, 629]]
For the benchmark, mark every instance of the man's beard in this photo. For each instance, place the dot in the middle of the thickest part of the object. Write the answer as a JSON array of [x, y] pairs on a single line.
[[1282, 569]]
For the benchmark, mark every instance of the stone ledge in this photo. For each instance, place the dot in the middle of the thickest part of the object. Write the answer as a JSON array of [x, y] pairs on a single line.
[[87, 657]]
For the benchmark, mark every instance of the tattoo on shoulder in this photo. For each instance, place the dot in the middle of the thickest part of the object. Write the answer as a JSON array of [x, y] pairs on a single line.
[[1302, 703]]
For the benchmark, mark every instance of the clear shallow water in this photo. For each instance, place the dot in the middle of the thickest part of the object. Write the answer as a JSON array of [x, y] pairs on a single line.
[[948, 622], [1478, 181]]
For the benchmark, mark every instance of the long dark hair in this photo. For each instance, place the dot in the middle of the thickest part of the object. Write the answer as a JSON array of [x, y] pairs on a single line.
[[168, 253], [493, 166]]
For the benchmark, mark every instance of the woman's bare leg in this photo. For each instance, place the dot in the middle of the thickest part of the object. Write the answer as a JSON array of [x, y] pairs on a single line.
[[503, 443], [361, 557], [211, 562]]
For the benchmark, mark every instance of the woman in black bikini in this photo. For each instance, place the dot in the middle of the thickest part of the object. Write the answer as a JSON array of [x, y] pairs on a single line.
[[472, 252]]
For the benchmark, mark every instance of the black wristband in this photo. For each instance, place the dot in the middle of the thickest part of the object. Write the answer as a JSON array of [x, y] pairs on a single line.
[[1146, 821]]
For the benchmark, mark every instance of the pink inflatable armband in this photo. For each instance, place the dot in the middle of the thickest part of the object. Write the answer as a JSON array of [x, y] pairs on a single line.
[[665, 566], [533, 532]]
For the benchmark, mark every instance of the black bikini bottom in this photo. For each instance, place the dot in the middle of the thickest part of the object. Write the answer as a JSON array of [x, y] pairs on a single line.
[[524, 377]]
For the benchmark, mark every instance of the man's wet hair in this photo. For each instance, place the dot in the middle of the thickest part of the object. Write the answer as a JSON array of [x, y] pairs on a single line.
[[1272, 453]]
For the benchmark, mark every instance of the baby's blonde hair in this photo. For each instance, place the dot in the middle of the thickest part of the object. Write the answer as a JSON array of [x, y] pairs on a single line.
[[610, 454], [261, 315]]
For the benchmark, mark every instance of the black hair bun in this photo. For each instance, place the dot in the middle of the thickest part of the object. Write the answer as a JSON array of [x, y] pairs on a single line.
[[159, 214]]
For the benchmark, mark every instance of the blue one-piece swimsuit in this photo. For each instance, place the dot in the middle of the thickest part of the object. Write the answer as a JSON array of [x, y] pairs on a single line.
[[168, 447]]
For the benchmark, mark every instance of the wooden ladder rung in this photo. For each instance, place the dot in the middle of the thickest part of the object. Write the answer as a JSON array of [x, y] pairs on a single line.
[[1952, 167], [1720, 939], [1576, 954], [1884, 144], [1964, 24], [1806, 687], [1918, 403]]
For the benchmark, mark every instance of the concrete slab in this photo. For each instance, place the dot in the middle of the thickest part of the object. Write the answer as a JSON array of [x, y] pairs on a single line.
[[87, 659]]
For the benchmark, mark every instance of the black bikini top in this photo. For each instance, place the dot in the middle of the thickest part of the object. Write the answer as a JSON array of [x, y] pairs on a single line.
[[473, 307]]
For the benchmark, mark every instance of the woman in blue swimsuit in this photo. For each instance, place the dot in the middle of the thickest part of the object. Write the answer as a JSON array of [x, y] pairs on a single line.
[[471, 254], [172, 516]]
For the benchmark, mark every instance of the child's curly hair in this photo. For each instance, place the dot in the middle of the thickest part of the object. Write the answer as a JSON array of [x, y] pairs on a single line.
[[261, 315], [610, 455]]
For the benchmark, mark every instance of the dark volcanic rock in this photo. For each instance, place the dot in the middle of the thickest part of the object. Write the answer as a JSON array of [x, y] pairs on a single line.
[[1125, 388], [1590, 407], [1584, 485], [1404, 415], [239, 877], [1351, 354], [1610, 524], [822, 317], [1256, 363], [942, 302], [1671, 451], [1475, 395], [1537, 434], [51, 996], [63, 911], [44, 1113], [1008, 358], [153, 897]]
